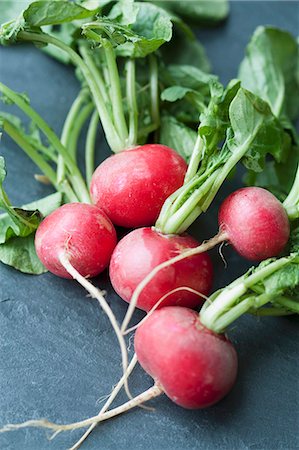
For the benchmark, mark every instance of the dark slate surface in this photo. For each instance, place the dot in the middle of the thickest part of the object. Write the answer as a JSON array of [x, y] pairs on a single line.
[[58, 355]]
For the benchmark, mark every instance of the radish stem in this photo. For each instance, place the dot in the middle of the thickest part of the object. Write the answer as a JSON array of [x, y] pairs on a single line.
[[90, 146]]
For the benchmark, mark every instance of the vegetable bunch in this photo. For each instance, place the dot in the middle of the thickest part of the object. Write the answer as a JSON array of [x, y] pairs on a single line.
[[178, 134]]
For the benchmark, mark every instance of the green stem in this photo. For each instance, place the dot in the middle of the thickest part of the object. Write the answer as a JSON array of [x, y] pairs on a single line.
[[87, 57], [132, 101], [230, 296], [195, 159], [67, 130], [116, 95], [226, 169], [90, 146], [291, 203], [241, 308], [179, 218], [30, 151], [79, 187], [77, 128], [112, 136], [154, 88], [287, 303]]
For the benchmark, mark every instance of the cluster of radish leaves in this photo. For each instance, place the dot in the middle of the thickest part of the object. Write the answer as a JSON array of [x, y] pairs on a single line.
[[115, 32]]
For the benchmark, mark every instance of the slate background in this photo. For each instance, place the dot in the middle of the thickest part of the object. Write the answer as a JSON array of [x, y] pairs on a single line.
[[58, 355]]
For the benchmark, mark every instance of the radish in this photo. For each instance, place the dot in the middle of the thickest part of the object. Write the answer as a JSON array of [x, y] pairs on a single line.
[[82, 232], [255, 223], [141, 251], [194, 366], [132, 186]]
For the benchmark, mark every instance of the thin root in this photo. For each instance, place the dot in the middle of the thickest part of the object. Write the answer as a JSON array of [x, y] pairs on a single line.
[[108, 402], [151, 393], [96, 293]]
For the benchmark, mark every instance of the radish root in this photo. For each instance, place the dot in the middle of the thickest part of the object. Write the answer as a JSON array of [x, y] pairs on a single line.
[[145, 396], [96, 293], [112, 396]]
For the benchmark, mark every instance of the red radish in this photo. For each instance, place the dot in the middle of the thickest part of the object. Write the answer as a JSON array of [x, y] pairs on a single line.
[[82, 232], [194, 366], [132, 186], [255, 223], [140, 251]]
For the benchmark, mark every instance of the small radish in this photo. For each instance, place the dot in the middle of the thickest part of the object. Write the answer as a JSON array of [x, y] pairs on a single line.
[[132, 186], [194, 366], [255, 223], [140, 251], [82, 233]]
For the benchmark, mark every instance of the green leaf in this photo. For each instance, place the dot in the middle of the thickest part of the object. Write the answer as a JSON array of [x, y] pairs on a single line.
[[20, 253], [214, 121], [22, 223], [2, 170], [178, 136], [125, 11], [174, 93], [32, 212], [269, 70], [189, 76], [255, 127], [284, 281], [46, 205], [55, 12], [151, 29]]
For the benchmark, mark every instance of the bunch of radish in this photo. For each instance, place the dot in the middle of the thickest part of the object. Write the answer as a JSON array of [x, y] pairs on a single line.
[[157, 266]]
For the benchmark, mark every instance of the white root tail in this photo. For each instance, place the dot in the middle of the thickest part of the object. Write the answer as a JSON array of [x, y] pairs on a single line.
[[96, 293], [108, 402], [151, 393]]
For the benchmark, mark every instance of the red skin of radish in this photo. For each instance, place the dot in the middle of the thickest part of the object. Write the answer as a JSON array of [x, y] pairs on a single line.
[[195, 366], [141, 251], [132, 186], [256, 223], [83, 232]]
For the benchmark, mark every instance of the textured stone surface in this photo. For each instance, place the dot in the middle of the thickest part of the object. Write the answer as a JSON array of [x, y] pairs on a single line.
[[58, 354]]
